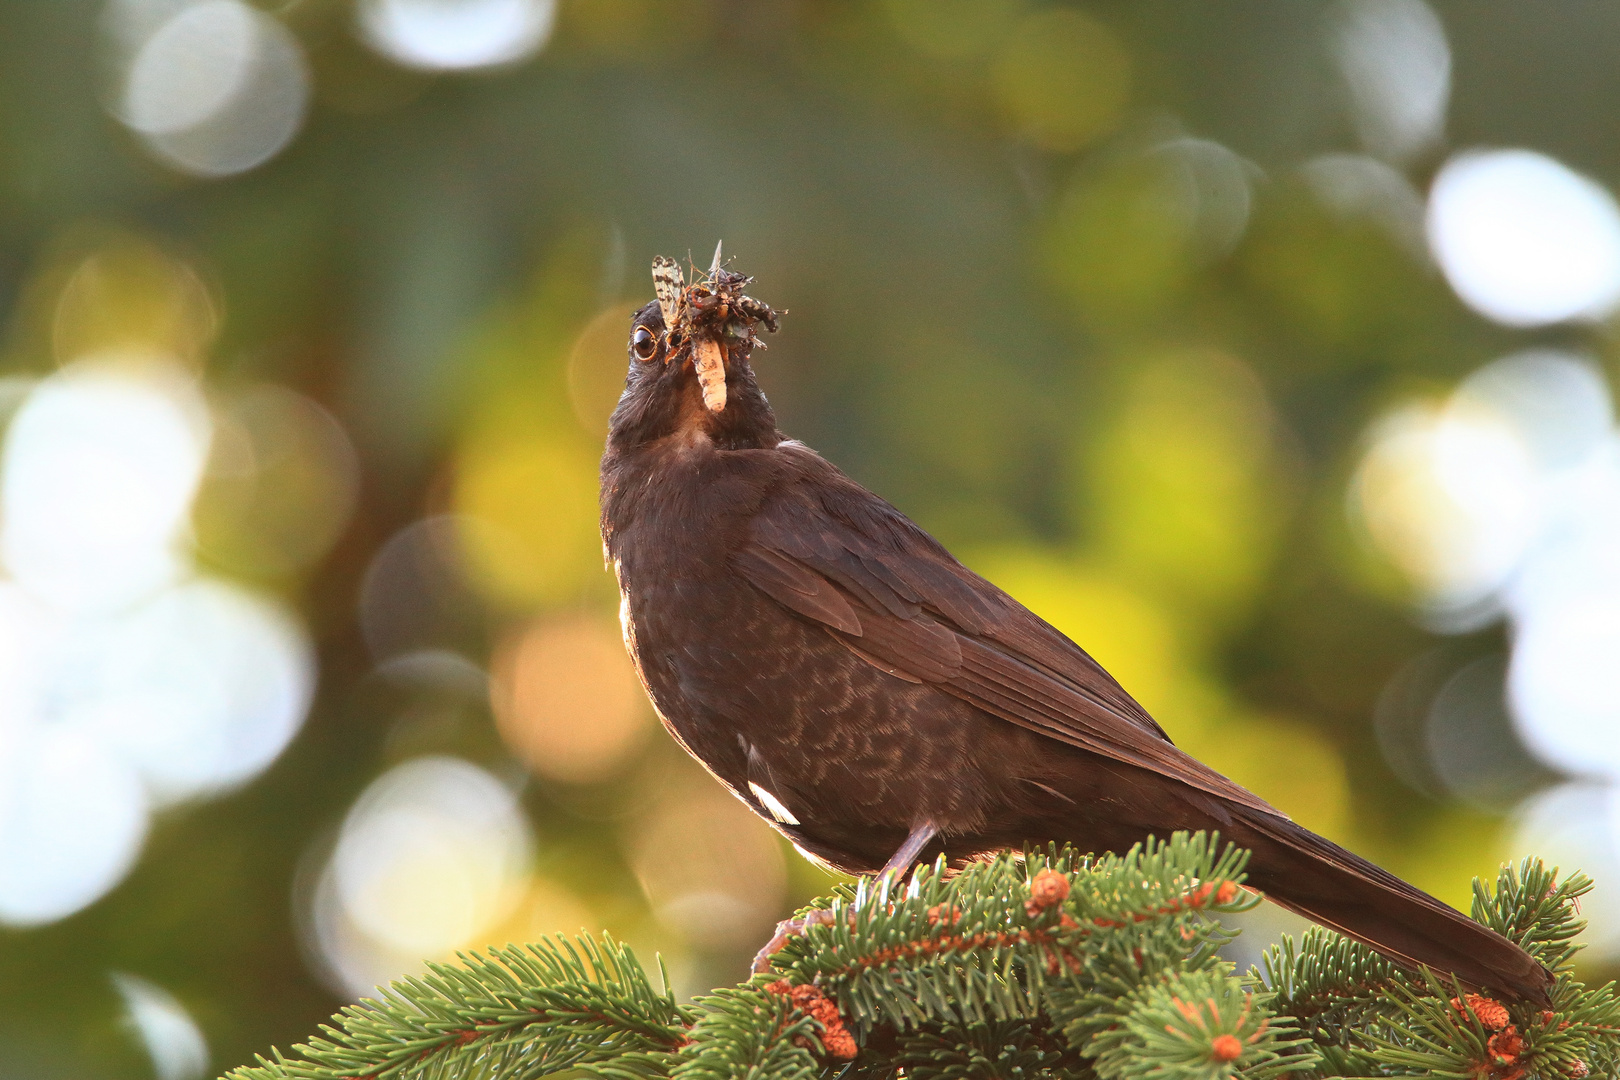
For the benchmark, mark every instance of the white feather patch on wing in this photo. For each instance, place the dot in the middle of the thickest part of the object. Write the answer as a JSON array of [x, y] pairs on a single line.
[[668, 283], [773, 804], [710, 362]]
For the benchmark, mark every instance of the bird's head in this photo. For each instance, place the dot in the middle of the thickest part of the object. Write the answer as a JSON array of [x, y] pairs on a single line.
[[689, 363]]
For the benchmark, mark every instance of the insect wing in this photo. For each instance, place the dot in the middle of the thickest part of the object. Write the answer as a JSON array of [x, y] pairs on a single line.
[[667, 286]]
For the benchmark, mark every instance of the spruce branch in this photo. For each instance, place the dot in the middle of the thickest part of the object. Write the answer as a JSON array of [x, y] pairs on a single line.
[[1532, 907], [1204, 1024], [979, 947], [1340, 992], [1045, 964], [750, 1033], [517, 1012], [1014, 1048], [1366, 1015]]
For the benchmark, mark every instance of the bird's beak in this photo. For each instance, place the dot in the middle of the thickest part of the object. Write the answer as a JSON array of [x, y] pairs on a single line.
[[709, 358]]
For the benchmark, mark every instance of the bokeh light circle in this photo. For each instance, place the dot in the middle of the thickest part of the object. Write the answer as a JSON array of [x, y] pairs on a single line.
[[1397, 66], [1564, 688], [191, 68], [131, 297], [1062, 78], [596, 368], [1557, 401], [429, 854], [729, 880], [1507, 492], [527, 516], [281, 483], [1577, 826], [1359, 187], [101, 463], [448, 35], [200, 688], [215, 87], [1469, 739], [1215, 190], [435, 853], [567, 700], [171, 1036], [1524, 239], [72, 820], [414, 595], [1450, 497]]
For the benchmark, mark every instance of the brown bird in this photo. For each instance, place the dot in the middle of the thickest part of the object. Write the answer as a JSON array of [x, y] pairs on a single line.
[[878, 702]]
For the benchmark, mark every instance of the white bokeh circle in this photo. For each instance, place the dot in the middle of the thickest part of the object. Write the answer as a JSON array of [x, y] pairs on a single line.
[[127, 682], [101, 463], [434, 853], [191, 67], [1557, 402], [211, 87], [73, 817], [451, 35], [1524, 239], [1451, 496], [200, 688], [1576, 826], [1396, 63], [1564, 685]]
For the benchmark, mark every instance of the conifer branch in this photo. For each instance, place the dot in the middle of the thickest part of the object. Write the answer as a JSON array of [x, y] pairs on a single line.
[[559, 1005], [1043, 964]]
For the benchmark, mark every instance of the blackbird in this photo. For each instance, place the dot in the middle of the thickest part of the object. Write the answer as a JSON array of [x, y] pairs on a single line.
[[879, 703]]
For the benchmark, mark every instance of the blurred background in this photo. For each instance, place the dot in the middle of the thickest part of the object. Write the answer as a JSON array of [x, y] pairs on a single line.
[[1265, 348]]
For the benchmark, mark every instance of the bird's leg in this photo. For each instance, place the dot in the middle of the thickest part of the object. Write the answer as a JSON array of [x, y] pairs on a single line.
[[899, 863], [904, 859]]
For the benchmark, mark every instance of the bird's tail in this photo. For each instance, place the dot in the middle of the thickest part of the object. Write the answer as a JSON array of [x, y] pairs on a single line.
[[1327, 884]]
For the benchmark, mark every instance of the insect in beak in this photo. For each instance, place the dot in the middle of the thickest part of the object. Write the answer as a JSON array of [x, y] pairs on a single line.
[[710, 361], [678, 305], [669, 285], [704, 320], [709, 358]]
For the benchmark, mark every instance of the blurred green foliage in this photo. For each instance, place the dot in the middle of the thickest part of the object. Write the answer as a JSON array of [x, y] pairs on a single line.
[[1003, 316]]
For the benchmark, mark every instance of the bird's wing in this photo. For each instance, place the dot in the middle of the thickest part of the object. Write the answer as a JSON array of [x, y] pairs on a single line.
[[837, 554]]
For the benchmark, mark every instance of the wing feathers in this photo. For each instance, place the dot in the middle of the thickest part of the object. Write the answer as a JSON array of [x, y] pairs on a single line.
[[926, 649], [796, 587], [825, 553], [900, 602], [990, 678]]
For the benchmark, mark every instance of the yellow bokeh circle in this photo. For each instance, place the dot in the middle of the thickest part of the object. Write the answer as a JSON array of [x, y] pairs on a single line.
[[1062, 78]]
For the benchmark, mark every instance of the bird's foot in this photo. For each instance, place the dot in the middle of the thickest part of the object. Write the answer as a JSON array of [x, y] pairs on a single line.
[[786, 929], [893, 871], [791, 928]]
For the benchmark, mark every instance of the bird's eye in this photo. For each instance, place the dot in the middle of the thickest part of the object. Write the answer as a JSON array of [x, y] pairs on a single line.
[[644, 343]]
